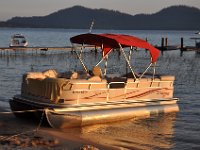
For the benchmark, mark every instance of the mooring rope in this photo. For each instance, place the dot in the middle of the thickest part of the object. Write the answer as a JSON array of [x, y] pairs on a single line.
[[21, 111], [3, 138], [41, 119]]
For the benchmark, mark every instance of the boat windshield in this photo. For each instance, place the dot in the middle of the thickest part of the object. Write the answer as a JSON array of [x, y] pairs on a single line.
[[19, 38]]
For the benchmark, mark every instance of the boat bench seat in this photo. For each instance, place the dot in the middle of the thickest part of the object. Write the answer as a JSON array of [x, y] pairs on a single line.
[[51, 73], [40, 75], [74, 75], [33, 75]]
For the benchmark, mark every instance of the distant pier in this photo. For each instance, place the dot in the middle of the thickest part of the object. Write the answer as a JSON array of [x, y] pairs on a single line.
[[8, 50], [166, 47], [68, 48]]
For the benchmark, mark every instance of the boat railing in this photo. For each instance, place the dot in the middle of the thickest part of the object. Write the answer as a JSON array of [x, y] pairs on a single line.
[[148, 83], [117, 87], [34, 86], [88, 86]]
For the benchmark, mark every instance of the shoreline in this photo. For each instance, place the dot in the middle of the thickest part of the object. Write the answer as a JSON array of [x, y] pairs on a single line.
[[18, 133]]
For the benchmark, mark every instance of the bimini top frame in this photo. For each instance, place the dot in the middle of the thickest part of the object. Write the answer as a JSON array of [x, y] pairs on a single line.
[[108, 42]]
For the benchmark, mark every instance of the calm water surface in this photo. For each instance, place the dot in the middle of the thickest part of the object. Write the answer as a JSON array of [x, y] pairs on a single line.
[[169, 131]]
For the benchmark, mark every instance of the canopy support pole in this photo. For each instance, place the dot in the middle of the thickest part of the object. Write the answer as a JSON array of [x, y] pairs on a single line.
[[81, 51], [103, 58], [106, 64], [145, 70], [129, 57], [128, 62], [99, 62], [80, 59], [154, 70], [130, 53]]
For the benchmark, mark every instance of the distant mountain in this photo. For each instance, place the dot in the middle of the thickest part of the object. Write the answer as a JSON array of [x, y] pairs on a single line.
[[175, 17], [78, 17]]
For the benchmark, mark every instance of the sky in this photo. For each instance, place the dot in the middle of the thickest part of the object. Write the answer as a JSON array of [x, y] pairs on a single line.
[[12, 8]]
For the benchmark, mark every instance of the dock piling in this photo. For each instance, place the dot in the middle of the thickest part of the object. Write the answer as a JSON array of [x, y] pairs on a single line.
[[162, 45], [181, 49], [182, 44], [166, 41]]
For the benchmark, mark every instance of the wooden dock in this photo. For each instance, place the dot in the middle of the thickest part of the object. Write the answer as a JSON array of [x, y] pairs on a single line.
[[67, 48], [165, 47], [15, 51]]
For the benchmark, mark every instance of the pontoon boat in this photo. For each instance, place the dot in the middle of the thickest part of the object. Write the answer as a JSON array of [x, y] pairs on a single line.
[[89, 97]]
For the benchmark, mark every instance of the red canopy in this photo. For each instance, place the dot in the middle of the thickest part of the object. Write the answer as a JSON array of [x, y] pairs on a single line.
[[109, 41]]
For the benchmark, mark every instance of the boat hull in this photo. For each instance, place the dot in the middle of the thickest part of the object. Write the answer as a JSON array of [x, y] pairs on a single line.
[[25, 109], [65, 116], [18, 109]]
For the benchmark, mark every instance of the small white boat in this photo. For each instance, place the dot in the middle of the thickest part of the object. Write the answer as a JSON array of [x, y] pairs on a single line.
[[197, 32], [83, 98], [18, 40]]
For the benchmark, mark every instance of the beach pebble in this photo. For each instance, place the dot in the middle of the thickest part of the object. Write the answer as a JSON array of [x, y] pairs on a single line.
[[88, 147], [28, 142], [17, 141]]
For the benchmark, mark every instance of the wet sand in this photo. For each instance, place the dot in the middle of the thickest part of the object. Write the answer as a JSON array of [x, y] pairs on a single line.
[[16, 133]]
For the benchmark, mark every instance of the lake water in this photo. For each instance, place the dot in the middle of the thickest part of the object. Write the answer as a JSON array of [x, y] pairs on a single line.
[[169, 131]]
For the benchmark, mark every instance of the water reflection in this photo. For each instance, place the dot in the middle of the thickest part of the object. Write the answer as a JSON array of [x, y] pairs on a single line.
[[147, 133]]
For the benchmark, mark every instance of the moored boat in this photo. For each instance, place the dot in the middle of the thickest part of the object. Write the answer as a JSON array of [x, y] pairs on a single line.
[[18, 40], [87, 97], [197, 32]]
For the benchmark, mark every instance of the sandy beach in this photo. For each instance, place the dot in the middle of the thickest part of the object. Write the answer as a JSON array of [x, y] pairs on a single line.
[[20, 134]]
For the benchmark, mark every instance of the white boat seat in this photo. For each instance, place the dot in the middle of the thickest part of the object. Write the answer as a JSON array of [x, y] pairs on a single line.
[[95, 79], [51, 73], [97, 71], [74, 75], [40, 75], [33, 75]]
